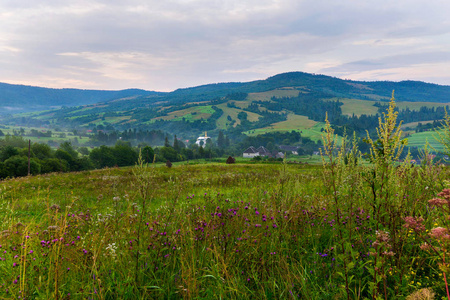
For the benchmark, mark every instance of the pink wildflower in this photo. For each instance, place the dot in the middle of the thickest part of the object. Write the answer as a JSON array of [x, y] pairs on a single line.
[[414, 223], [440, 233], [438, 202]]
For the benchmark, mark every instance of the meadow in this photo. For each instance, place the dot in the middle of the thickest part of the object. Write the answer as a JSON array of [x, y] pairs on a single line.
[[339, 230]]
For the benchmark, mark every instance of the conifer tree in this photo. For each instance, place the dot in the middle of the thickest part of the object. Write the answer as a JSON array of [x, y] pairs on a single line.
[[166, 142], [221, 140], [176, 145]]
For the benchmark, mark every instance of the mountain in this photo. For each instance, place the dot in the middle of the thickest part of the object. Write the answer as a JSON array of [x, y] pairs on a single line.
[[22, 98], [284, 102], [414, 91]]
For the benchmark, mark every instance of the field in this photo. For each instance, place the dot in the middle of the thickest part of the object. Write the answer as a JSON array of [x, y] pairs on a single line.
[[414, 124], [266, 96], [216, 231], [329, 227], [189, 114], [418, 105], [420, 138], [308, 128], [57, 136], [222, 122], [357, 107]]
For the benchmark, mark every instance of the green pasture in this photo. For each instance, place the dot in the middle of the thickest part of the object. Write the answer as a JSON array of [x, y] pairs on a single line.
[[414, 124], [87, 108], [420, 138], [357, 107], [55, 135], [222, 122], [418, 105], [278, 93], [189, 114], [311, 130], [110, 120]]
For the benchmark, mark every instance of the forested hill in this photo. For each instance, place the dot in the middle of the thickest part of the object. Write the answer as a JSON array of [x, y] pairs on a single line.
[[21, 98], [414, 91], [284, 102]]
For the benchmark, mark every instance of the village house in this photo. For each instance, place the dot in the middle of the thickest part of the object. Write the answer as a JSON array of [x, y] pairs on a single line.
[[292, 149], [252, 152]]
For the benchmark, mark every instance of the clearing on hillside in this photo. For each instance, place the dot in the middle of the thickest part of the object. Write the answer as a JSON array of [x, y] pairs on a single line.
[[189, 114], [223, 122], [281, 92]]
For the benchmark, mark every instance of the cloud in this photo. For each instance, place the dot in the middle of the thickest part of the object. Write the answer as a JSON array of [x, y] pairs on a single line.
[[164, 45]]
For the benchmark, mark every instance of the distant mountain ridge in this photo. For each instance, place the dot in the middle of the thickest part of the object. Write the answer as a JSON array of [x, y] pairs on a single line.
[[22, 98], [290, 101], [407, 90]]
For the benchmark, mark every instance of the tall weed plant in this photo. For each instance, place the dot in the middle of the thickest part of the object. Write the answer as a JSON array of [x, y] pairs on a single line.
[[387, 190]]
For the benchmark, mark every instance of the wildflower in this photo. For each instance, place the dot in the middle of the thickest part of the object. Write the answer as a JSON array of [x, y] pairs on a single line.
[[438, 202], [414, 223], [55, 207], [390, 253], [445, 193], [425, 246], [439, 233]]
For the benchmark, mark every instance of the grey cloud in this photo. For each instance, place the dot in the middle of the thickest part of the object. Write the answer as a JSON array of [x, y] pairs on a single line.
[[180, 42], [389, 62]]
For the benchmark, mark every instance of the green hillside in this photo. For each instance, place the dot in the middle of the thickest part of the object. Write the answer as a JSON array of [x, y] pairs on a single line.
[[285, 102], [20, 98]]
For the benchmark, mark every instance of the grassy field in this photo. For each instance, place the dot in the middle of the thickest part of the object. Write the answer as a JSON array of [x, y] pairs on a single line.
[[294, 122], [414, 124], [57, 136], [190, 114], [311, 129], [420, 138], [266, 96], [347, 228], [418, 105], [216, 231], [357, 107], [222, 122]]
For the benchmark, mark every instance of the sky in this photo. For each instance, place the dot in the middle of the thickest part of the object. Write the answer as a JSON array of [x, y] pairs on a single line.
[[163, 45]]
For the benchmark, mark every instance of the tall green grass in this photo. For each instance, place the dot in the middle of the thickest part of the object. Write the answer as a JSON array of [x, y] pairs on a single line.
[[343, 230]]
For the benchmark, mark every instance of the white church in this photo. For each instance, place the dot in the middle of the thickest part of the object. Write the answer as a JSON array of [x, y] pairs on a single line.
[[201, 140]]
